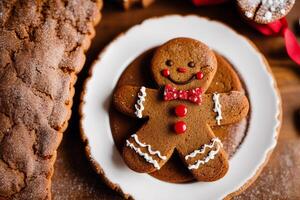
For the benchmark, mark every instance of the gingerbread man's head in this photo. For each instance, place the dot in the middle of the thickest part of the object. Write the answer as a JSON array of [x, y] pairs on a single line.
[[184, 63]]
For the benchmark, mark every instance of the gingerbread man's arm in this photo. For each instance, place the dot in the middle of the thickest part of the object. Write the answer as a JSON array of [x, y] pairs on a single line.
[[134, 101], [225, 108]]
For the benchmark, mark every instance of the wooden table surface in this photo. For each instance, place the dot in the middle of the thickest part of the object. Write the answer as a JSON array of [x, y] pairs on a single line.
[[280, 179]]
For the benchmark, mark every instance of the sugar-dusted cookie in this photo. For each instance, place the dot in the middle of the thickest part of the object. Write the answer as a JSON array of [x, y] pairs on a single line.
[[265, 11], [179, 114]]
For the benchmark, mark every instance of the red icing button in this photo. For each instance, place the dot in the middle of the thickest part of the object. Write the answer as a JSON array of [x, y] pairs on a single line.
[[165, 72], [180, 127], [181, 110], [199, 75]]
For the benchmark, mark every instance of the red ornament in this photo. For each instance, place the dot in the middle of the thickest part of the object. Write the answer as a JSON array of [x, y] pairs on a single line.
[[180, 127], [181, 69], [165, 72], [181, 110], [199, 75]]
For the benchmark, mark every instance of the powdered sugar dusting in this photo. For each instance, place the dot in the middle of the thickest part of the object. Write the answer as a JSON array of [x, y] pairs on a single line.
[[265, 10], [268, 16], [248, 14], [282, 11], [281, 177], [273, 8]]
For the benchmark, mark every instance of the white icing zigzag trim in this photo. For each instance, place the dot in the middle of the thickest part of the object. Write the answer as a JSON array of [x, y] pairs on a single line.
[[210, 156], [217, 108], [203, 148], [139, 107], [147, 157], [152, 152]]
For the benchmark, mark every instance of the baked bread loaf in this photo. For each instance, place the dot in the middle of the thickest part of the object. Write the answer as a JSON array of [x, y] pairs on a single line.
[[42, 45]]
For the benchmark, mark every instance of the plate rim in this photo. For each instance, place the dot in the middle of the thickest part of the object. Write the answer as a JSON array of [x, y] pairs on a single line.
[[97, 167]]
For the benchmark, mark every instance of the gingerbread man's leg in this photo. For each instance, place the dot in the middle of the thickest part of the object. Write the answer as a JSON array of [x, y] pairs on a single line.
[[145, 151], [204, 156]]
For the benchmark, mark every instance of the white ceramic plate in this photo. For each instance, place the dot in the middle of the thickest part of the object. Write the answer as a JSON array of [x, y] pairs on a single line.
[[265, 105]]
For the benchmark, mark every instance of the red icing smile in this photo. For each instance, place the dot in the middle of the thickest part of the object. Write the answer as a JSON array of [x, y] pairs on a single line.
[[166, 73]]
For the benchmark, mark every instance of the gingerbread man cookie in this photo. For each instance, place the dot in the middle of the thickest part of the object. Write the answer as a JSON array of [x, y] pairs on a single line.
[[179, 114]]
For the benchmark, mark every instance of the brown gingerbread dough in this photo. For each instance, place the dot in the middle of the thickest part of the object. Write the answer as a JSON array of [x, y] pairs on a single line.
[[225, 80], [154, 143]]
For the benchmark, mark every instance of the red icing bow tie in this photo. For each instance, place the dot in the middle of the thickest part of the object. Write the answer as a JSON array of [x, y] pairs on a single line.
[[193, 95]]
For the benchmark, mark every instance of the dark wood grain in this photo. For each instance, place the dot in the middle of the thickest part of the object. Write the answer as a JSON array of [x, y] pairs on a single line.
[[75, 179]]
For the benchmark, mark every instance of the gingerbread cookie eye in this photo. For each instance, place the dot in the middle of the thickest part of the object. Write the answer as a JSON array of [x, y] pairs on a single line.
[[169, 63], [191, 64]]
